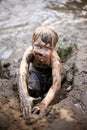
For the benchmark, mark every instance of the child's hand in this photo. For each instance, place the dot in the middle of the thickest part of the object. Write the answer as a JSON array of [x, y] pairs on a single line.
[[39, 109], [27, 104]]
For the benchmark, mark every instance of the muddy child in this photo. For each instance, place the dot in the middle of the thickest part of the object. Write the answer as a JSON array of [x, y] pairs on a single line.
[[42, 64]]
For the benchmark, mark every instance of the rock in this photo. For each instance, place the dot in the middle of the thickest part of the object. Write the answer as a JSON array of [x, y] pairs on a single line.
[[79, 107]]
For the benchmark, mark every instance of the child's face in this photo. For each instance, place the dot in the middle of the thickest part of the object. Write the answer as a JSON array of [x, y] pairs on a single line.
[[42, 51]]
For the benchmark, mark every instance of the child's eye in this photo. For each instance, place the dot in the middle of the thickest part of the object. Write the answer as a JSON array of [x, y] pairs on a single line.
[[47, 49], [38, 47]]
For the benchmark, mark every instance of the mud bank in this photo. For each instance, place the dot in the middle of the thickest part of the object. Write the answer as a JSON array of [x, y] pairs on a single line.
[[69, 109]]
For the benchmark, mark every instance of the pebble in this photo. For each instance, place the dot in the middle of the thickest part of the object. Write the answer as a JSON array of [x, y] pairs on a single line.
[[69, 88]]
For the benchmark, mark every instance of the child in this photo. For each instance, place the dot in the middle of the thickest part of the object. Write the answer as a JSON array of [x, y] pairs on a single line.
[[42, 64]]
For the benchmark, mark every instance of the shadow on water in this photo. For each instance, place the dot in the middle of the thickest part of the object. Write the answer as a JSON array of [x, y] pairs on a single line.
[[75, 6]]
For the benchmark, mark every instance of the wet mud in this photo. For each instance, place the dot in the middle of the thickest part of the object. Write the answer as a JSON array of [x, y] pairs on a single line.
[[69, 110]]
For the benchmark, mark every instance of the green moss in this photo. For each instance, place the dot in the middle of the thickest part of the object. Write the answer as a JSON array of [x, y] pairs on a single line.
[[63, 49]]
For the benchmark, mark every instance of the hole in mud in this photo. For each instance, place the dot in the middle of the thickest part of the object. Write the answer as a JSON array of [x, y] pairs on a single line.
[[67, 80]]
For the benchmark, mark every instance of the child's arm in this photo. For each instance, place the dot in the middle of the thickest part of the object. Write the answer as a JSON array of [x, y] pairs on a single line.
[[25, 100], [56, 74]]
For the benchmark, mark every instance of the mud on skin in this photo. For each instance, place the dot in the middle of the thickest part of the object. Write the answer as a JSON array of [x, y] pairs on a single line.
[[44, 58]]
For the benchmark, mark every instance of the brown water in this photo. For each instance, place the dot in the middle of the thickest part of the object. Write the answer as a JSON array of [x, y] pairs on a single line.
[[19, 18]]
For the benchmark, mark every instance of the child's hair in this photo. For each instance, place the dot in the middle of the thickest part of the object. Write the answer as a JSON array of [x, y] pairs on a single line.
[[46, 38], [47, 35]]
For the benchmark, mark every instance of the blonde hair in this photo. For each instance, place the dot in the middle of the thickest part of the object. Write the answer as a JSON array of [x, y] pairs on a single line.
[[48, 30]]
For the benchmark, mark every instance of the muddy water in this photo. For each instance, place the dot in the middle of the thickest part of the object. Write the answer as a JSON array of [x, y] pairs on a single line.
[[18, 20]]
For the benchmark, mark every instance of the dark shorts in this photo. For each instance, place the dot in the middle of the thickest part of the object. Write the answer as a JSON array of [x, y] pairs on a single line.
[[39, 81]]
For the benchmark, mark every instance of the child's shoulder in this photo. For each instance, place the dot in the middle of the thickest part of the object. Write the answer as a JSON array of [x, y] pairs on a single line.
[[55, 55], [29, 49]]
